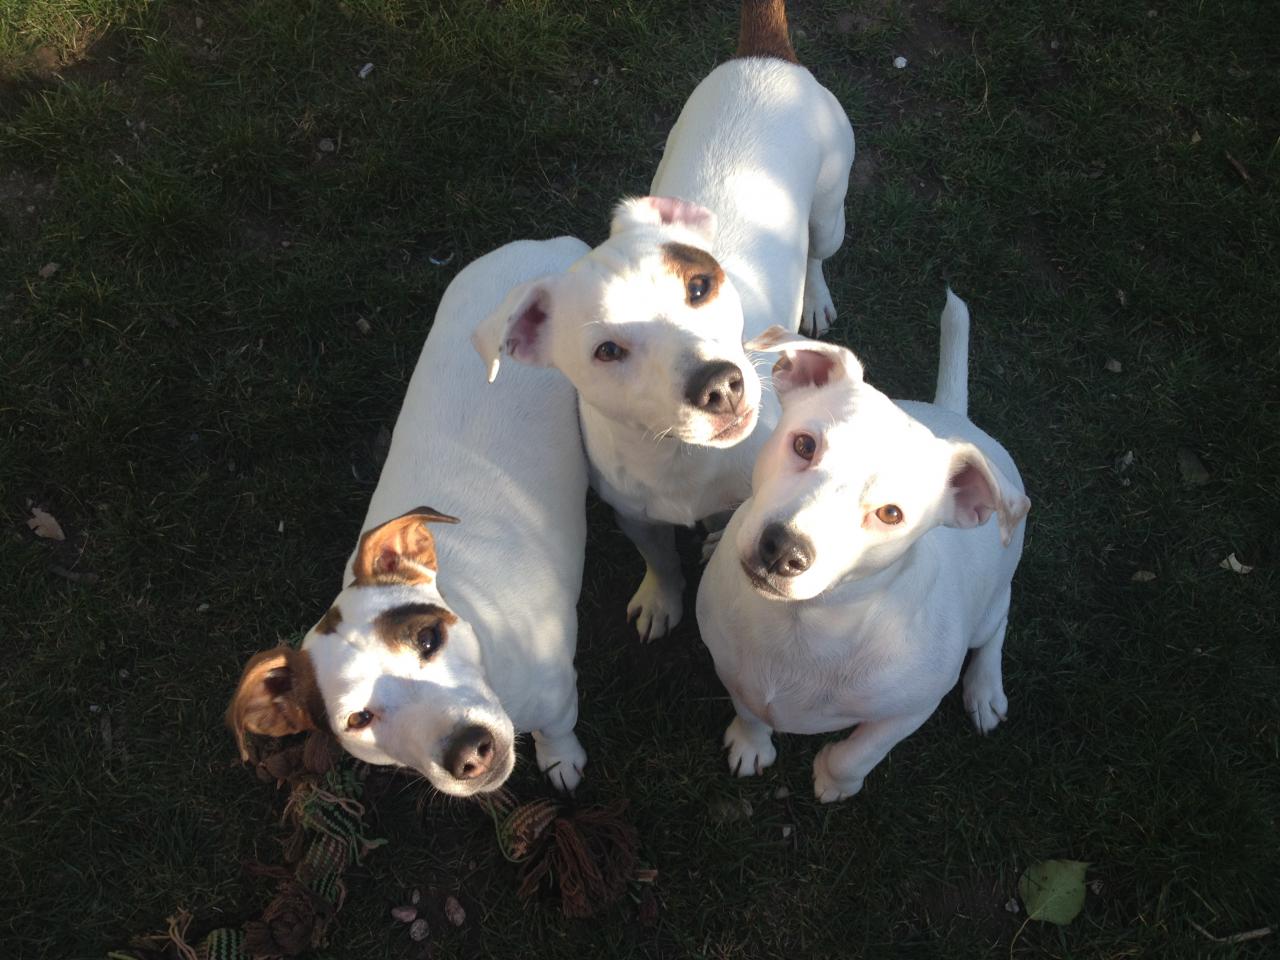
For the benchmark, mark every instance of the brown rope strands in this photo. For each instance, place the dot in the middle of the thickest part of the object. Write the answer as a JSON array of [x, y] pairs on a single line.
[[586, 856]]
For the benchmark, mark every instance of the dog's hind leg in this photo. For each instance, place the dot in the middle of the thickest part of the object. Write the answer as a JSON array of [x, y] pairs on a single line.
[[839, 768], [826, 232], [818, 311], [984, 698], [658, 604], [749, 741], [826, 222]]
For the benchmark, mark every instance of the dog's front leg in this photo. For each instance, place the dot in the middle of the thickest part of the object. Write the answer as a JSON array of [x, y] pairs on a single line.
[[658, 604], [749, 741], [560, 755], [839, 768]]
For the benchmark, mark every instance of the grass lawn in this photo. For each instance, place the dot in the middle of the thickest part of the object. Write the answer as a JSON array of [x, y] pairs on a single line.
[[190, 392]]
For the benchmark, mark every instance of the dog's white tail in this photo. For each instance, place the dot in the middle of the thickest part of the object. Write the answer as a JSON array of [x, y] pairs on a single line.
[[953, 357]]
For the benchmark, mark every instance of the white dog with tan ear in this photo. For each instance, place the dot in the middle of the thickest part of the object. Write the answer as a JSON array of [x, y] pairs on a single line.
[[649, 326], [847, 591], [440, 648]]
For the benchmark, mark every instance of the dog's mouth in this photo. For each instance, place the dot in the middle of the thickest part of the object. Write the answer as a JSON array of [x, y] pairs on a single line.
[[737, 429], [761, 583]]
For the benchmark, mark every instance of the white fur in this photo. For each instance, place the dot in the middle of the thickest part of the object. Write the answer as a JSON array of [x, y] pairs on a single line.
[[767, 149], [873, 632], [508, 462]]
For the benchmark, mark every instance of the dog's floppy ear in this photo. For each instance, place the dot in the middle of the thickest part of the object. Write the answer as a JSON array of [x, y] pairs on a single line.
[[805, 362], [518, 327], [976, 488], [277, 696], [663, 211], [401, 550]]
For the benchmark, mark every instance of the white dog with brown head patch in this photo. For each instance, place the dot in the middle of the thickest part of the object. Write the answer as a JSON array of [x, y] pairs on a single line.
[[649, 326], [441, 647], [848, 589]]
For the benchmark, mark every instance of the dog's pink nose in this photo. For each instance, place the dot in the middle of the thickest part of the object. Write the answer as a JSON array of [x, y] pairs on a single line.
[[783, 552], [716, 388], [470, 753]]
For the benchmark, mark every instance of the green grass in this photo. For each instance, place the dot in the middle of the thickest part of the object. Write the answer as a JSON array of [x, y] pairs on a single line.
[[192, 376]]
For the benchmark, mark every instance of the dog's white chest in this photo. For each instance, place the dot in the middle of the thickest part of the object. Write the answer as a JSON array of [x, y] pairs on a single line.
[[666, 481], [795, 689]]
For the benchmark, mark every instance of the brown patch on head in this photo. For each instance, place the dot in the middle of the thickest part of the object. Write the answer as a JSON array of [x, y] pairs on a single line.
[[762, 31], [698, 270], [277, 696], [400, 626], [400, 551], [329, 622]]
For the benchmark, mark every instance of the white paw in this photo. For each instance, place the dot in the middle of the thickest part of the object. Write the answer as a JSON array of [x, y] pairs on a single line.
[[562, 760], [818, 312], [985, 702], [655, 608], [826, 786], [749, 753]]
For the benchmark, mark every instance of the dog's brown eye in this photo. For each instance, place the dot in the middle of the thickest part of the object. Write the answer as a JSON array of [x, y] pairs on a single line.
[[889, 514], [804, 446], [430, 639], [699, 287], [609, 352], [359, 720]]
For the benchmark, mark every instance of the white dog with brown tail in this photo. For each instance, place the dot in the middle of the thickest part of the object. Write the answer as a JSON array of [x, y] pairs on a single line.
[[847, 591], [649, 326], [457, 623]]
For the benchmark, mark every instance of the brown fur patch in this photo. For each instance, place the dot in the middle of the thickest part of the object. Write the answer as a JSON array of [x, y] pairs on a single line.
[[398, 626], [329, 622], [277, 695], [688, 263], [400, 551], [763, 31]]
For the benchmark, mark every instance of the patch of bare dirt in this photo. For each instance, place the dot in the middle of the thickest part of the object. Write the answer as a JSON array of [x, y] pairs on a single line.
[[92, 57]]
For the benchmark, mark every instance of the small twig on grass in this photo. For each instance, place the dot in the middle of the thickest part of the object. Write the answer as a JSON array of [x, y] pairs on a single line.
[[986, 84], [1239, 167], [1235, 937]]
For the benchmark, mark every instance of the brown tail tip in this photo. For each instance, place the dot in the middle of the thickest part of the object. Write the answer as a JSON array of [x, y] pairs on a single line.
[[763, 32]]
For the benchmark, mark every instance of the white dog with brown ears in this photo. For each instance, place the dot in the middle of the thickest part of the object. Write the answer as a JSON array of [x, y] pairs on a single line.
[[848, 589], [649, 325], [437, 651]]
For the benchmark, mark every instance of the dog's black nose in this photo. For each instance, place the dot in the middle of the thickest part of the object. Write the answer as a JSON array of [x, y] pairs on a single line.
[[783, 552], [470, 753], [716, 388]]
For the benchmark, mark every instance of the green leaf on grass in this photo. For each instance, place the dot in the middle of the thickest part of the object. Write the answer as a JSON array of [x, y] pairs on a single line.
[[1053, 890]]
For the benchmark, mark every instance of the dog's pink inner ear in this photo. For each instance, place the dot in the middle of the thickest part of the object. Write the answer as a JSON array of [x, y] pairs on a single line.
[[805, 368], [526, 327], [674, 210], [972, 497]]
